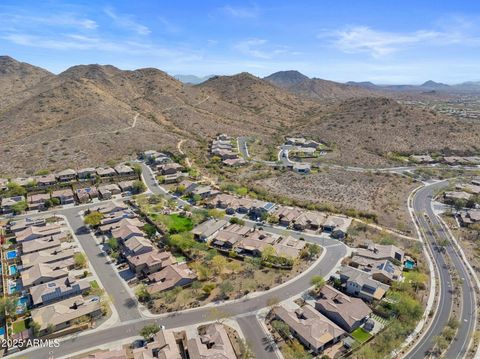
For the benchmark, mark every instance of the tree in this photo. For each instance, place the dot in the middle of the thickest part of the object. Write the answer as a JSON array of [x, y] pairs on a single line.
[[281, 328], [236, 220], [150, 230], [241, 191], [8, 307], [80, 260], [246, 351], [317, 281], [142, 293], [137, 169], [16, 190], [93, 219], [226, 287], [113, 244], [138, 187], [207, 288], [19, 207], [35, 326], [216, 213], [148, 331], [218, 263], [268, 252]]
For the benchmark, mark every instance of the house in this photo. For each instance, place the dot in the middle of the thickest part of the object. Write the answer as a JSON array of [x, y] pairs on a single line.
[[137, 245], [314, 330], [66, 175], [227, 238], [207, 229], [110, 354], [475, 181], [34, 232], [302, 168], [382, 270], [345, 311], [51, 255], [111, 207], [106, 191], [105, 172], [214, 344], [86, 173], [8, 203], [126, 186], [86, 194], [110, 226], [42, 244], [116, 217], [23, 181], [56, 290], [255, 242], [309, 220], [62, 315], [234, 162], [203, 191], [175, 275], [20, 225], [468, 187], [337, 226], [45, 181], [37, 201], [127, 231], [187, 186], [451, 197], [164, 346], [469, 217], [150, 262], [286, 215], [124, 170], [65, 195], [289, 247], [361, 284], [381, 252], [174, 177], [42, 273], [170, 168]]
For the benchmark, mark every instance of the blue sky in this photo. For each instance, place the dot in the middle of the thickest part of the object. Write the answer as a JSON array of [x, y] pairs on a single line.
[[380, 41]]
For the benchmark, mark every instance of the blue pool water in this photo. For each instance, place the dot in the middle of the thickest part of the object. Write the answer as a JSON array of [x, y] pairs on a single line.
[[22, 305], [12, 254], [409, 264], [13, 269], [2, 330], [13, 288]]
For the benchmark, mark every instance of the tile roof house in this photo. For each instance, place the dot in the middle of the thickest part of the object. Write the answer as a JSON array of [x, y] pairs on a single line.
[[37, 201], [86, 194], [58, 289], [108, 190], [289, 247], [65, 195], [21, 224], [382, 270], [110, 226], [51, 255], [207, 229], [45, 181], [41, 244], [175, 275], [170, 168], [137, 245], [452, 196], [361, 284], [23, 181], [86, 173], [469, 217], [105, 172], [310, 327], [380, 251], [164, 346], [214, 344], [188, 186], [41, 273], [309, 220], [66, 175], [150, 262], [127, 231], [254, 243], [8, 203], [110, 207], [286, 215], [61, 314], [34, 232], [345, 311], [124, 170], [337, 226], [109, 354], [126, 186]]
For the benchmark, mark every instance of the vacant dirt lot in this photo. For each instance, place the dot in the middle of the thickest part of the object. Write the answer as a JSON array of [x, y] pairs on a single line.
[[382, 194]]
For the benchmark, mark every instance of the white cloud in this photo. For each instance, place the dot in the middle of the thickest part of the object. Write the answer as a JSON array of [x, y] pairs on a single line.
[[251, 47], [358, 39], [127, 22], [57, 20], [241, 12]]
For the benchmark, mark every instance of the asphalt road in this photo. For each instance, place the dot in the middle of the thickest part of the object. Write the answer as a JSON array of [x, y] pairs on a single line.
[[262, 344], [433, 231]]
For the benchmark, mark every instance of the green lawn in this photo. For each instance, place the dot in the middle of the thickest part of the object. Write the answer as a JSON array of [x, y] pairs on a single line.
[[94, 284], [19, 326], [360, 335], [176, 223]]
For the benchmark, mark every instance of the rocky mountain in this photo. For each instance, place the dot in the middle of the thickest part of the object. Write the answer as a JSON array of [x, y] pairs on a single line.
[[316, 89], [92, 114]]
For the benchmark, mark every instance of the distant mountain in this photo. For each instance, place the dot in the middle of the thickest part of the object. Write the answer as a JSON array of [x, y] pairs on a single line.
[[192, 79], [286, 78], [363, 84], [434, 85], [315, 89]]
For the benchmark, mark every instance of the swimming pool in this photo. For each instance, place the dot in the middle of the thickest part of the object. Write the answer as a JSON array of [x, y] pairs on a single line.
[[409, 264], [12, 254], [13, 269], [2, 330], [22, 305], [13, 287]]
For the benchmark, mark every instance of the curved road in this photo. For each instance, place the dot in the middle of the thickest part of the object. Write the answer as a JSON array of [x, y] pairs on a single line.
[[432, 230]]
